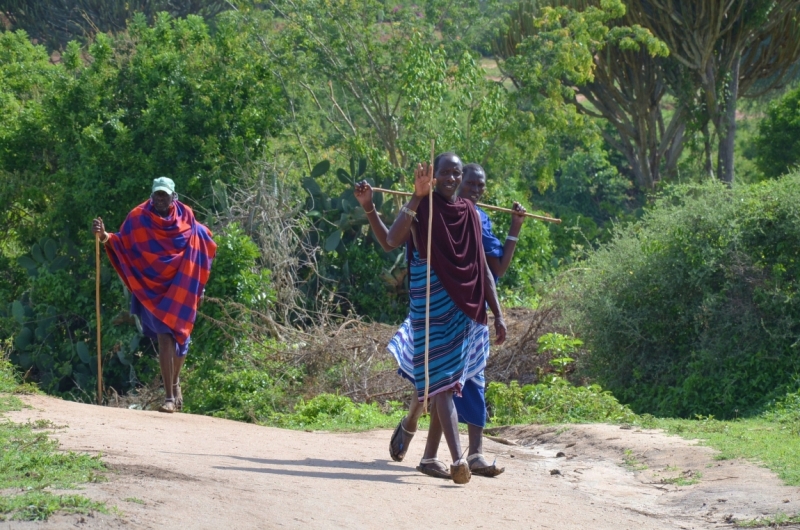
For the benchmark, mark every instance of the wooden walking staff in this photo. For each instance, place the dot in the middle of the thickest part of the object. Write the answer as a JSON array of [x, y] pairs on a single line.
[[428, 282], [97, 309], [484, 206]]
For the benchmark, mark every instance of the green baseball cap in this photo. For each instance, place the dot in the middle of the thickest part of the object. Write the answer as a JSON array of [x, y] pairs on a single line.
[[163, 184]]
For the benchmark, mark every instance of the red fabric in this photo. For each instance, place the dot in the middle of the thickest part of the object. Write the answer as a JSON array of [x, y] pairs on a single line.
[[165, 262], [456, 252]]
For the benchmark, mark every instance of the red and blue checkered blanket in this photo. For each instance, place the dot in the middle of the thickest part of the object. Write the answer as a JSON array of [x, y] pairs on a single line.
[[165, 263]]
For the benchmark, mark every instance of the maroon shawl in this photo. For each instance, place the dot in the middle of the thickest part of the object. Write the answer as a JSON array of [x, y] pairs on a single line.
[[456, 252]]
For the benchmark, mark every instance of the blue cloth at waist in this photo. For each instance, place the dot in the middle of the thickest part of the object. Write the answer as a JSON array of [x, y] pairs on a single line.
[[151, 326]]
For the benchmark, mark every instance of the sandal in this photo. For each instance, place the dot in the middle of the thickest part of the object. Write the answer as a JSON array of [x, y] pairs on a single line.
[[176, 391], [168, 406], [484, 471], [398, 450], [434, 472], [460, 472]]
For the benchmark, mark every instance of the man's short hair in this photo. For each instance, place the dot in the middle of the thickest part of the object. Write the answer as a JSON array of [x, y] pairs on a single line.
[[472, 167]]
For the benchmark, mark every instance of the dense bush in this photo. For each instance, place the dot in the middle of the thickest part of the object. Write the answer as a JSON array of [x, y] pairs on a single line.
[[695, 309], [778, 141]]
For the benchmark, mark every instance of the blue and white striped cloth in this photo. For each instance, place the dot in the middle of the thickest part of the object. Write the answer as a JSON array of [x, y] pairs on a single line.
[[459, 346]]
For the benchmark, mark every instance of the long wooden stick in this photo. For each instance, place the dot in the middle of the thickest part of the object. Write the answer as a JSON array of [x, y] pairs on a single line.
[[485, 206], [97, 310], [428, 282]]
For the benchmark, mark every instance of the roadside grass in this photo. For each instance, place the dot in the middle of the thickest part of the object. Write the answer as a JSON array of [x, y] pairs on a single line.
[[774, 521], [330, 412], [30, 463], [764, 440]]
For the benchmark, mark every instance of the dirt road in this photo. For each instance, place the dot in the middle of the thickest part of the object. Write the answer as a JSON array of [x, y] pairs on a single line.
[[186, 471]]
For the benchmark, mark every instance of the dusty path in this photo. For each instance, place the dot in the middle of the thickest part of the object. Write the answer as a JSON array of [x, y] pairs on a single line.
[[190, 471]]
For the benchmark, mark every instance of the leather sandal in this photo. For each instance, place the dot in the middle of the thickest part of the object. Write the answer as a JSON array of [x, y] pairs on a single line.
[[460, 472], [176, 391], [397, 447], [168, 406], [484, 471], [432, 471]]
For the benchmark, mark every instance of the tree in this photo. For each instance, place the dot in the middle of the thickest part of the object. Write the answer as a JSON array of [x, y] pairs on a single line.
[[617, 68], [732, 48], [382, 79], [55, 23]]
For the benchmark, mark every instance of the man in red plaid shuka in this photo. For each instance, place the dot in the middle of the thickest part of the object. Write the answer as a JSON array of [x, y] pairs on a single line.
[[163, 256]]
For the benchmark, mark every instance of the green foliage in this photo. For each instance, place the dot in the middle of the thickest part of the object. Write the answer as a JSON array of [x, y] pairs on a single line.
[[694, 309], [57, 23], [369, 281], [562, 348], [30, 462], [372, 282], [554, 402], [248, 384], [333, 412], [236, 287], [40, 505], [778, 141]]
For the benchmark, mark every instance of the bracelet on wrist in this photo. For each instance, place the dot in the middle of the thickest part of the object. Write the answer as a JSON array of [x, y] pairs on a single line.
[[104, 241], [369, 212], [512, 238], [409, 212]]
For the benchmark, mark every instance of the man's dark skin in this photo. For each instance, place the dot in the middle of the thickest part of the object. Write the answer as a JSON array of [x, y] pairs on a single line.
[[170, 363], [447, 181], [473, 186]]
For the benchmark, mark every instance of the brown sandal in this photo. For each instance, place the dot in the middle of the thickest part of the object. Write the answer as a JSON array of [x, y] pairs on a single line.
[[484, 471], [397, 448], [434, 472], [460, 472], [168, 406], [176, 391]]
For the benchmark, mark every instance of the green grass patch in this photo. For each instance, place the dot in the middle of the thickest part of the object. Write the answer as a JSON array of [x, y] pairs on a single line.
[[30, 463], [762, 440], [779, 519], [39, 505], [329, 412], [630, 461], [687, 478]]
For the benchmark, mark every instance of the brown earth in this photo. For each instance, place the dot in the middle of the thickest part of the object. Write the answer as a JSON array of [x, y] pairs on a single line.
[[192, 471]]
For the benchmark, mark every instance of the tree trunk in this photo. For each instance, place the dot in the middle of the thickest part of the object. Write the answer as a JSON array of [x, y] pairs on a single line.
[[727, 126], [708, 166]]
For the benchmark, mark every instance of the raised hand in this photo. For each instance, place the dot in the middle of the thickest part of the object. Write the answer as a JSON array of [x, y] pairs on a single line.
[[423, 179], [363, 193]]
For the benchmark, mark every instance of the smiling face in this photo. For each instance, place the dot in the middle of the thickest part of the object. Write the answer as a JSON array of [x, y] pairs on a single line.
[[162, 201], [474, 184], [448, 176]]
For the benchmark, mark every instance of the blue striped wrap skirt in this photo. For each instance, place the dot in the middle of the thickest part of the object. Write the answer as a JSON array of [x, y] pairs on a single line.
[[459, 348]]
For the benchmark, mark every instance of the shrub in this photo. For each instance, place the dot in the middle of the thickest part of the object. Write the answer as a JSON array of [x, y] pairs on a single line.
[[694, 310], [330, 411], [778, 141], [554, 402]]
